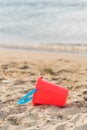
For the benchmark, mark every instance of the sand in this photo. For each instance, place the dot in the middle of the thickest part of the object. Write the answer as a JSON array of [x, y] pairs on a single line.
[[19, 71]]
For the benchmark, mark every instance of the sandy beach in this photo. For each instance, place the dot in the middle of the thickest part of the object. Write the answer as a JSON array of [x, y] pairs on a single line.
[[19, 71]]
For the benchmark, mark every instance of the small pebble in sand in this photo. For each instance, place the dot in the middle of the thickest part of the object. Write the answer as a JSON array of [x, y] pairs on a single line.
[[85, 91], [85, 97], [6, 81]]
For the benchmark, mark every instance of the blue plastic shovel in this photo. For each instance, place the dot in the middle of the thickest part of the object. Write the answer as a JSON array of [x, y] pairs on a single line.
[[27, 98]]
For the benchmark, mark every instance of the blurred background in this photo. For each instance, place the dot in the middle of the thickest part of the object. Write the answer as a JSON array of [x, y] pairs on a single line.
[[26, 23]]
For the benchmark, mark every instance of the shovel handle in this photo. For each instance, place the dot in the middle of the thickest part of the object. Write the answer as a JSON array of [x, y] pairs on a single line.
[[27, 98]]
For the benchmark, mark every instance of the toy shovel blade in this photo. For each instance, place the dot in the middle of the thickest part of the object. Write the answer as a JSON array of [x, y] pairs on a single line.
[[27, 98]]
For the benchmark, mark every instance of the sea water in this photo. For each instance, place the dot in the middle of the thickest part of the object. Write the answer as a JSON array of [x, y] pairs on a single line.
[[43, 21]]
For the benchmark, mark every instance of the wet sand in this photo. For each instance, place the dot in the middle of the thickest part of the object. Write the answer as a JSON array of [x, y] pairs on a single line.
[[19, 71]]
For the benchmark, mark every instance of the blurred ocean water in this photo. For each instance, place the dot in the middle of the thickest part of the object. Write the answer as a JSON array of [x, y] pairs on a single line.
[[43, 21]]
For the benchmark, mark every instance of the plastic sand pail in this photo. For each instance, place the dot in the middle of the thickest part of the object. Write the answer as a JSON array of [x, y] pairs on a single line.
[[49, 93], [46, 93]]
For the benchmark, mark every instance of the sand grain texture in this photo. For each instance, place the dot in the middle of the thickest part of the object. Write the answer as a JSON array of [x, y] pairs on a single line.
[[19, 71]]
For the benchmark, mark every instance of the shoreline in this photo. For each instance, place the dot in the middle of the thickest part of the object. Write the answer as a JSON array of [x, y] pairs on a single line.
[[41, 54], [76, 49]]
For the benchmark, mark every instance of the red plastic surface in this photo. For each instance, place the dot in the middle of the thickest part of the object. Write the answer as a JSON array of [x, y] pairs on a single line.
[[49, 93]]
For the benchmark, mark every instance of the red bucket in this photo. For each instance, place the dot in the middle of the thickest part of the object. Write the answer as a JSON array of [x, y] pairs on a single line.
[[49, 93]]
